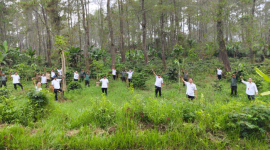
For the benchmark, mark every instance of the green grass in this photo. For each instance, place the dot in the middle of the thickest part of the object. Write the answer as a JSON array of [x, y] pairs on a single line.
[[89, 120]]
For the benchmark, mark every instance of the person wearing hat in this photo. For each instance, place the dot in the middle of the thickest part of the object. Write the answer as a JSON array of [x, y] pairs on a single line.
[[16, 80], [105, 84], [158, 83], [3, 80], [56, 85]]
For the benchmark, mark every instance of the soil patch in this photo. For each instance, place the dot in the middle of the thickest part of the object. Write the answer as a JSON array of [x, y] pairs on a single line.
[[72, 133]]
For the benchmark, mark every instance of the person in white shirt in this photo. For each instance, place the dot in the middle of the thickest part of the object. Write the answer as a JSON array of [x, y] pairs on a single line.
[[105, 84], [113, 73], [158, 84], [219, 73], [44, 80], [130, 73], [251, 88], [191, 88], [56, 85], [76, 76], [52, 74], [16, 80], [59, 71], [38, 87]]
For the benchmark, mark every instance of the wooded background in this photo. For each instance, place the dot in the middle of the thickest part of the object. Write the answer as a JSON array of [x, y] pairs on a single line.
[[205, 28]]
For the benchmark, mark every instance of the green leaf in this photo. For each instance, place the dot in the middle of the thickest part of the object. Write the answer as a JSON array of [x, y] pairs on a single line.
[[5, 46], [265, 77], [265, 93]]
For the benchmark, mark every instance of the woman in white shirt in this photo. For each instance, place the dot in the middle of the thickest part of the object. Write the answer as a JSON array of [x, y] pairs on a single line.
[[76, 76], [105, 84], [250, 89], [16, 80]]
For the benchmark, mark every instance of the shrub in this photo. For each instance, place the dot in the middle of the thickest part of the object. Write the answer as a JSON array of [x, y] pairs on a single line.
[[139, 80], [74, 85], [4, 94], [37, 99], [172, 74]]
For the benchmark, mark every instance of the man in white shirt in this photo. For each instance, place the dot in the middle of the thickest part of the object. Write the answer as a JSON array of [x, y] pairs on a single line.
[[56, 85], [16, 80], [105, 84], [52, 74], [59, 71], [191, 88], [44, 80], [219, 73], [158, 84], [76, 76], [251, 88], [113, 73], [130, 73]]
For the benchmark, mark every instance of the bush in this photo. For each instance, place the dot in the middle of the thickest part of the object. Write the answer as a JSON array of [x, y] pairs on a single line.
[[37, 99], [4, 94], [139, 80], [172, 74], [74, 85]]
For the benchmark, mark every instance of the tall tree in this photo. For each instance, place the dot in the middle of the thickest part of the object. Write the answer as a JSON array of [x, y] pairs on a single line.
[[162, 34], [144, 33], [111, 32], [222, 48], [122, 44]]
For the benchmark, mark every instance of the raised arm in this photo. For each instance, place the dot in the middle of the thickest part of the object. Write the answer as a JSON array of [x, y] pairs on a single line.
[[154, 73], [182, 79]]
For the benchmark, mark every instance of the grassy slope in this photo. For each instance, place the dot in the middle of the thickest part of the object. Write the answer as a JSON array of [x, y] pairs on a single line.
[[70, 124]]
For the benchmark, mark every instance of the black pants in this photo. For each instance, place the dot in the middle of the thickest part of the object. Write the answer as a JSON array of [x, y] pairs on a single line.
[[55, 91], [81, 78], [114, 76], [15, 85], [219, 77], [3, 83], [158, 90], [190, 97], [129, 80], [251, 97], [123, 79], [184, 82], [87, 83], [234, 89], [75, 79], [104, 90]]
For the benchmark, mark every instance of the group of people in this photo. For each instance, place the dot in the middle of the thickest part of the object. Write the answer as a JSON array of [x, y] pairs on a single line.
[[191, 92]]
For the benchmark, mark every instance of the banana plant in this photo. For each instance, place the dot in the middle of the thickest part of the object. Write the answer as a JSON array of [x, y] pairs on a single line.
[[265, 77]]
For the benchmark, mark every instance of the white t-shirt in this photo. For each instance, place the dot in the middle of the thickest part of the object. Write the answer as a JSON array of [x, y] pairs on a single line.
[[15, 78], [56, 83], [219, 71], [251, 88], [38, 89], [114, 72], [52, 74], [130, 74], [76, 76], [59, 71], [43, 79], [190, 89], [104, 83], [159, 81]]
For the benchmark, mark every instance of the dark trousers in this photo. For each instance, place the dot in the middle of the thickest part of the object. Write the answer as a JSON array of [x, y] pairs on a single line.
[[219, 77], [190, 97], [114, 76], [104, 90], [184, 82], [75, 79], [234, 89], [15, 85], [55, 91], [129, 80], [81, 78], [123, 79], [87, 83], [251, 97], [158, 90], [3, 83]]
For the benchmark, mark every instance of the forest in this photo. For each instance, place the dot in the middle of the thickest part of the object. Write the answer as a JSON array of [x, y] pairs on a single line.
[[133, 49]]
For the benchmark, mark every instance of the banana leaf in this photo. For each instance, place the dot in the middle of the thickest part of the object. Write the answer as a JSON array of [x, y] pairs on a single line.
[[265, 77]]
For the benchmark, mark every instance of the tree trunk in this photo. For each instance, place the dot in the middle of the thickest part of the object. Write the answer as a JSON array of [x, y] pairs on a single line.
[[64, 70], [122, 44], [49, 41], [39, 36], [162, 35], [111, 32], [86, 36], [269, 41], [144, 33], [79, 25], [222, 48]]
